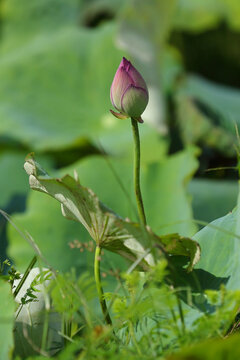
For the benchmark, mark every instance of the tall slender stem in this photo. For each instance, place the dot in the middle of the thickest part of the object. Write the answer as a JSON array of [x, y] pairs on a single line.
[[137, 188], [99, 285]]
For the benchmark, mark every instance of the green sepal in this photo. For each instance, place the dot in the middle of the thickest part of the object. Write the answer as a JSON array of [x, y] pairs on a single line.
[[119, 115]]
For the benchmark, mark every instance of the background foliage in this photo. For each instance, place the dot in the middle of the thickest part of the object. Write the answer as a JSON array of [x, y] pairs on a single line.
[[57, 62]]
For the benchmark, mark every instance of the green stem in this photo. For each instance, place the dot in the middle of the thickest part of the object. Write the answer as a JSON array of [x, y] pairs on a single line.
[[181, 313], [137, 188], [29, 268], [99, 286], [131, 329]]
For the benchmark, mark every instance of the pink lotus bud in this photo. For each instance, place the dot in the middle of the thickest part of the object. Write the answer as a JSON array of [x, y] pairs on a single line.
[[129, 93]]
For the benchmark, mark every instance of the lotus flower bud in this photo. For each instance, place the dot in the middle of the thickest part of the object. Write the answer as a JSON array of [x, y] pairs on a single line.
[[129, 93]]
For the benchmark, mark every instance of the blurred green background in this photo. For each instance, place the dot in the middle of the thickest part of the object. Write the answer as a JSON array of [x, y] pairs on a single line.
[[57, 61]]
